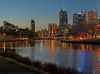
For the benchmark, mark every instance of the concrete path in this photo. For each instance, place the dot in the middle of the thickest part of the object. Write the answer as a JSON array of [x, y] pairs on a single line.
[[11, 68]]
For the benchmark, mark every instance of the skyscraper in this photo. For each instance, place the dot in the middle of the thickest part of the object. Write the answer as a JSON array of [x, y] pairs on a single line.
[[32, 25], [79, 22], [63, 20], [91, 16], [79, 18], [92, 21]]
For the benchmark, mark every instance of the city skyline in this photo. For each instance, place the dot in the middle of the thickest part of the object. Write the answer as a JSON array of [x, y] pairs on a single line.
[[20, 12]]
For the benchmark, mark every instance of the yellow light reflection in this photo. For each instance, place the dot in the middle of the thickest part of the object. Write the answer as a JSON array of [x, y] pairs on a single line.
[[52, 46]]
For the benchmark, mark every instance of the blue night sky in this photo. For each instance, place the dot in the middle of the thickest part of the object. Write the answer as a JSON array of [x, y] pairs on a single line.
[[20, 12]]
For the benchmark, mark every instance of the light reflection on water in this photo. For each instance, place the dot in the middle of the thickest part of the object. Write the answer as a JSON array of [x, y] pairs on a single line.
[[85, 58]]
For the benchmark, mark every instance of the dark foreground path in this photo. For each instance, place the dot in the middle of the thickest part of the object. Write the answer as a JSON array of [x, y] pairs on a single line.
[[11, 68]]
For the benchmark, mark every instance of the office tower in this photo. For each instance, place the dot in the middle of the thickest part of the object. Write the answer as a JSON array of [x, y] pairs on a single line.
[[63, 20], [32, 25], [79, 23], [79, 18], [91, 16]]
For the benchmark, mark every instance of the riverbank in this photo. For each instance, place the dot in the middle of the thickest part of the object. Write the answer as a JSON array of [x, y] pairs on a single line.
[[6, 40], [9, 66], [37, 66], [88, 41], [23, 64]]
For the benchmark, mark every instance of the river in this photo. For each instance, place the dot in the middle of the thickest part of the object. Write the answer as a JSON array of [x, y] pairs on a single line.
[[82, 57]]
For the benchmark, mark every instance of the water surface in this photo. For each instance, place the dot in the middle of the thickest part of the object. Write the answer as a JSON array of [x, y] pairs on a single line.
[[84, 58]]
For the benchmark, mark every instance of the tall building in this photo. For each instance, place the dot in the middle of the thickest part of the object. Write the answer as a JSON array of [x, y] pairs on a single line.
[[63, 20], [79, 23], [91, 15], [92, 21], [32, 25], [52, 29], [79, 18]]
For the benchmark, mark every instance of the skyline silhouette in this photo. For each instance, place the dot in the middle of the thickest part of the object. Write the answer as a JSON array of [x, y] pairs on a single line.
[[20, 12]]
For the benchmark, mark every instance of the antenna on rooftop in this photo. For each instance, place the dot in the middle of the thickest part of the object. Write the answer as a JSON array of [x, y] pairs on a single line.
[[64, 8]]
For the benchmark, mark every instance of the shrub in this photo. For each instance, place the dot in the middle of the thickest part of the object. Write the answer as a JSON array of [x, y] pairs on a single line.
[[52, 68]]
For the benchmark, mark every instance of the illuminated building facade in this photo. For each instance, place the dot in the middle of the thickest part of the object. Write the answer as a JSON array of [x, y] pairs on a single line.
[[86, 25], [52, 29], [97, 30], [91, 15], [92, 21]]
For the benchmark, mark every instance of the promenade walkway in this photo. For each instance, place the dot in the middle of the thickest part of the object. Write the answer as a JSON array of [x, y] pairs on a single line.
[[7, 67]]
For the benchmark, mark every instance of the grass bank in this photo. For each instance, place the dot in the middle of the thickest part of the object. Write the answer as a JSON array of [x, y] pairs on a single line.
[[37, 66]]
